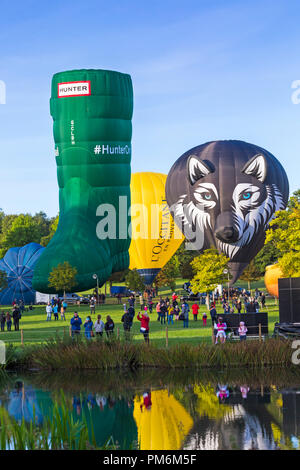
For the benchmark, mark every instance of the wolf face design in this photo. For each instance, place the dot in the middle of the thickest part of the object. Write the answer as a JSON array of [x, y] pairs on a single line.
[[227, 207]]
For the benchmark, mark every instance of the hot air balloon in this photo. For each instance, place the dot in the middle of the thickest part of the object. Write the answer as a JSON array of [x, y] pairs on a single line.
[[91, 111], [272, 274], [224, 194], [19, 263], [164, 425], [155, 238]]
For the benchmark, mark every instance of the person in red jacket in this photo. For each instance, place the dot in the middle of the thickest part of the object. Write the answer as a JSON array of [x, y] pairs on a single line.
[[144, 319], [195, 308]]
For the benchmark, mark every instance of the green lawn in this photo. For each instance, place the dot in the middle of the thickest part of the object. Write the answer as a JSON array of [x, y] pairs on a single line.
[[37, 329]]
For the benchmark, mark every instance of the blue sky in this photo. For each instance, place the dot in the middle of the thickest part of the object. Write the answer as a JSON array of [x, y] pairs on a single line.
[[201, 70]]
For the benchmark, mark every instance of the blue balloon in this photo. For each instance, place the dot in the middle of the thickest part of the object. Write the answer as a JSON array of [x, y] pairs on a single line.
[[19, 263]]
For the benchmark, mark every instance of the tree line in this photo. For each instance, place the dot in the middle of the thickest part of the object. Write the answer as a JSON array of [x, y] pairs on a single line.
[[20, 229]]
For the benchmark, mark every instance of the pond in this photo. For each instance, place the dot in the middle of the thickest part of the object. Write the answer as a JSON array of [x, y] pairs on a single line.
[[160, 410]]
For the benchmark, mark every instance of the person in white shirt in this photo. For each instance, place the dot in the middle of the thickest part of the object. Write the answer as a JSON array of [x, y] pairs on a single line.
[[99, 326], [48, 311]]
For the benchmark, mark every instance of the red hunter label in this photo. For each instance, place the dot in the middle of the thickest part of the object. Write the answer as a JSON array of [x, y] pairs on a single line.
[[67, 89]]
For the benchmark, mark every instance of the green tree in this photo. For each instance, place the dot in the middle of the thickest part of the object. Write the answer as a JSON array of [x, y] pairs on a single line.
[[23, 230], [268, 255], [251, 273], [134, 281], [43, 223], [3, 280], [209, 270], [51, 231], [18, 230], [63, 277], [185, 257], [284, 233], [167, 275]]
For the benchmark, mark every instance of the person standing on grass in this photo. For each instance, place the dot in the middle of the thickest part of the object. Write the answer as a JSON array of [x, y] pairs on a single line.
[[144, 319], [242, 331], [176, 312], [131, 301], [170, 314], [204, 318], [22, 307], [163, 312], [2, 321], [131, 312], [185, 312], [195, 308], [127, 323], [213, 314], [88, 327], [76, 323], [226, 308], [109, 326], [92, 305], [65, 305], [55, 311], [158, 311], [262, 300], [48, 311], [62, 313], [99, 326], [8, 321], [16, 317]]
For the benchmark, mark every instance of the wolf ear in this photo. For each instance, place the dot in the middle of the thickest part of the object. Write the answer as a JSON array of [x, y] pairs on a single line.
[[197, 169], [257, 167]]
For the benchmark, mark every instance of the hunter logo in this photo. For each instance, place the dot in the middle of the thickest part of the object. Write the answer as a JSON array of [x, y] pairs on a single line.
[[68, 89], [112, 150]]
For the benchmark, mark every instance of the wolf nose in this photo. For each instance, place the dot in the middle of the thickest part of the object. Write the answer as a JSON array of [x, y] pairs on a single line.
[[225, 229], [227, 234]]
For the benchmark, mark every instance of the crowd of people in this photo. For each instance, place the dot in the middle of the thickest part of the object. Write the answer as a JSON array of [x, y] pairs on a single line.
[[242, 302], [168, 310]]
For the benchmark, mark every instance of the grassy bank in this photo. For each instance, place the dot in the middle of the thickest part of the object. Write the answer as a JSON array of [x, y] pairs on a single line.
[[118, 354]]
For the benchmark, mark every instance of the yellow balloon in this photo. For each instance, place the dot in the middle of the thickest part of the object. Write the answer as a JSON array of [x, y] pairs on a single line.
[[155, 237]]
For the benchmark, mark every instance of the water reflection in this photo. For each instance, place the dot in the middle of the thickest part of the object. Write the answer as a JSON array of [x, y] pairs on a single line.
[[158, 411]]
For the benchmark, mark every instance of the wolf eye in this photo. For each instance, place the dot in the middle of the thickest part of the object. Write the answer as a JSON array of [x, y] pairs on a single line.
[[207, 196], [246, 195]]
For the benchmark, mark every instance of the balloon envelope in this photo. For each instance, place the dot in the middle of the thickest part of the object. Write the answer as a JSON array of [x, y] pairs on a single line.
[[272, 274], [224, 194], [155, 238], [19, 263]]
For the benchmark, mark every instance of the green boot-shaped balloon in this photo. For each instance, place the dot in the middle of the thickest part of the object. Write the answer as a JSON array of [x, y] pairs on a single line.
[[92, 111]]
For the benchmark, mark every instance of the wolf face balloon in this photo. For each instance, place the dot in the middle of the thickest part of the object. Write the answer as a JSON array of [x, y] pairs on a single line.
[[224, 194]]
